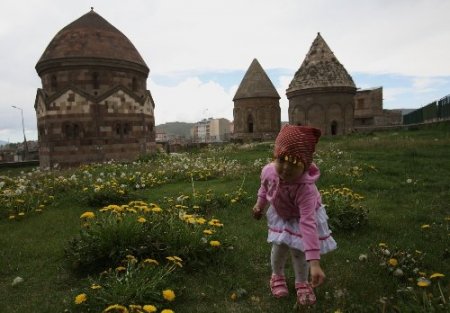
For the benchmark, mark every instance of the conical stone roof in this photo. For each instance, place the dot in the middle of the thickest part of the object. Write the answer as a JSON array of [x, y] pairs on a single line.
[[256, 84], [320, 69], [90, 37]]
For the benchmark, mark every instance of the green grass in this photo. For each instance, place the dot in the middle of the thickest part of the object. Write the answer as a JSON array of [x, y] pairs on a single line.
[[33, 248]]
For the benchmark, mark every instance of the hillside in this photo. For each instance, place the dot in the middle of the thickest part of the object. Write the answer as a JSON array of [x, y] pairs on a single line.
[[176, 128]]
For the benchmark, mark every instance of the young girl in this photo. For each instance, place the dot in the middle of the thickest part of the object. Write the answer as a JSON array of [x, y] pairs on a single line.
[[296, 218]]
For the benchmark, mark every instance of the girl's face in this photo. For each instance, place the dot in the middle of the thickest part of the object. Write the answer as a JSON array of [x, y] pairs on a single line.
[[288, 171]]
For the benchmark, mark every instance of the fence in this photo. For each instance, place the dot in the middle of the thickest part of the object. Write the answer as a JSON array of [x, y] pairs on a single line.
[[435, 111]]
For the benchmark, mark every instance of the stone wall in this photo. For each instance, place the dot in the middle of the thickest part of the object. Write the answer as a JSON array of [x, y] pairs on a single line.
[[330, 110], [256, 118], [75, 128]]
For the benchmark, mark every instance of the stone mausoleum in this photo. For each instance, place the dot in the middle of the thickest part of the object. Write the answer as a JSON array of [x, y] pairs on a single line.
[[321, 94], [257, 113], [94, 104]]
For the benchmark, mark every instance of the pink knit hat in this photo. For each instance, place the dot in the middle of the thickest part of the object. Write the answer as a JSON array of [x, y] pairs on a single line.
[[297, 144]]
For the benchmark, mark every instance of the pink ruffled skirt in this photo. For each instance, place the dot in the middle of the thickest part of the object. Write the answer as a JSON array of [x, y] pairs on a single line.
[[287, 232]]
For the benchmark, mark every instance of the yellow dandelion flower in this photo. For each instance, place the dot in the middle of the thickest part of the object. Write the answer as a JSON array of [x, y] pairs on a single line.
[[177, 258], [423, 282], [233, 296], [120, 269], [87, 215], [382, 245], [148, 308], [82, 297], [151, 261], [425, 226], [214, 243], [437, 275], [21, 214], [190, 220], [208, 232], [95, 286], [168, 294], [393, 262], [142, 220], [200, 220], [135, 308], [156, 209], [167, 311], [116, 307], [215, 223]]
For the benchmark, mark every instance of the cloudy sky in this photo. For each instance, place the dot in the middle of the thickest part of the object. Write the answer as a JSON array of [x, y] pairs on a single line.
[[199, 50]]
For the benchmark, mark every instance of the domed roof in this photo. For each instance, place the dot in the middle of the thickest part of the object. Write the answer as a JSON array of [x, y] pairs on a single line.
[[256, 84], [91, 37], [320, 69]]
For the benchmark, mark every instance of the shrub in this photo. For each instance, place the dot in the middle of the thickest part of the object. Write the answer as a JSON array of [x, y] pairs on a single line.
[[344, 209], [132, 285], [144, 230]]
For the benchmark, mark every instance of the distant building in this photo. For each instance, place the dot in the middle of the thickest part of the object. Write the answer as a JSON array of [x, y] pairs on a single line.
[[369, 109], [257, 113], [94, 104], [321, 93], [211, 130], [161, 137], [7, 153]]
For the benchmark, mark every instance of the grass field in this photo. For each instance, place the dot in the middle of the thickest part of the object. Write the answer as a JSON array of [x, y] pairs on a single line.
[[386, 265]]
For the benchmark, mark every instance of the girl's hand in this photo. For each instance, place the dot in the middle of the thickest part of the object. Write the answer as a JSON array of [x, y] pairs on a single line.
[[257, 212], [317, 274]]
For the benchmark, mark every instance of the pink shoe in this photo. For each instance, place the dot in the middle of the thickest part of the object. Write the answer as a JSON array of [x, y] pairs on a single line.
[[305, 294], [278, 286]]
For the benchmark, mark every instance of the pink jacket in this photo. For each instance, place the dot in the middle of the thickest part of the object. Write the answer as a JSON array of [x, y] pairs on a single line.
[[299, 198]]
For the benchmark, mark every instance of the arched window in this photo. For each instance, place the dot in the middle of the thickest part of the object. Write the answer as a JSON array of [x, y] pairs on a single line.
[[76, 130], [122, 129], [53, 83], [134, 85], [250, 123], [71, 131], [126, 129], [68, 131], [118, 129], [95, 83]]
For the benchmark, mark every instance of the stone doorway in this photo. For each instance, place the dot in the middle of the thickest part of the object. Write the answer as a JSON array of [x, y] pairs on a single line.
[[334, 128], [250, 123]]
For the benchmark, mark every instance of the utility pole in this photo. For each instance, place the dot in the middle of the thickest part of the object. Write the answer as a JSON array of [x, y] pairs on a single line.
[[25, 156]]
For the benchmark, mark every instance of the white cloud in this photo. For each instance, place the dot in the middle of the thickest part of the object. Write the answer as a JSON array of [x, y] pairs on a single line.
[[392, 94], [427, 84], [191, 100]]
